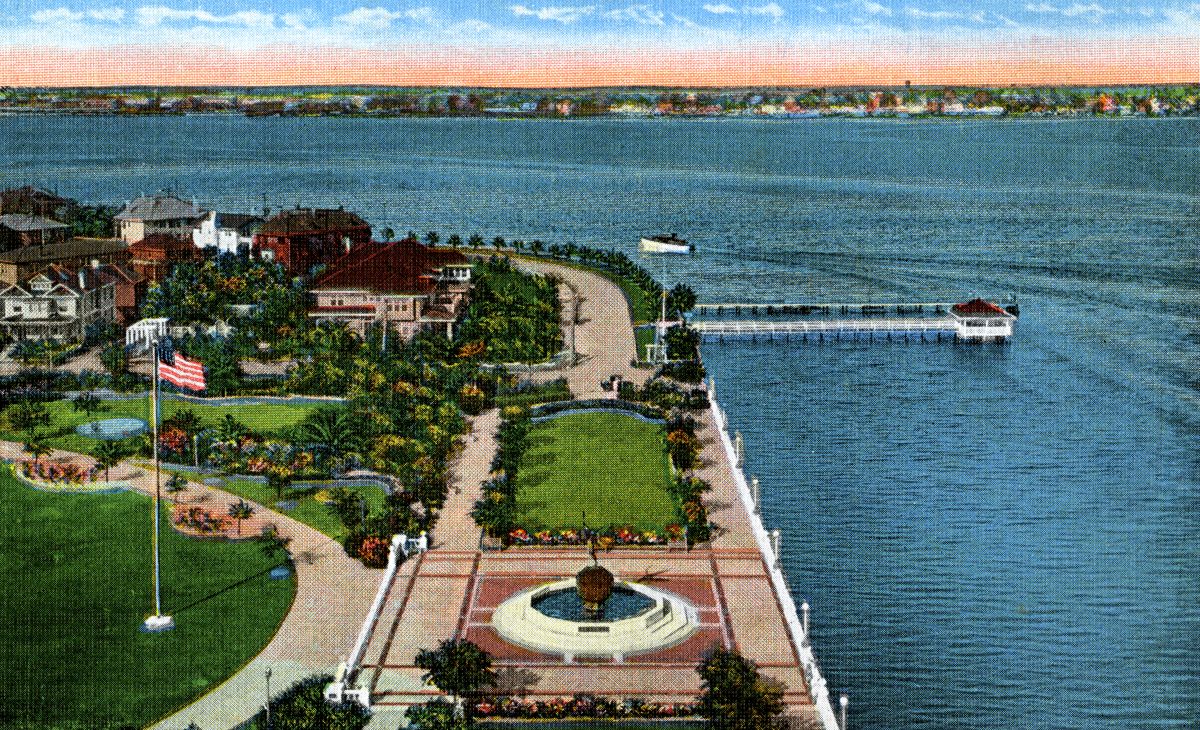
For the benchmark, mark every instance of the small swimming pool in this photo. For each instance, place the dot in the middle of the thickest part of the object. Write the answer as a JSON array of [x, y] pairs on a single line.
[[112, 429]]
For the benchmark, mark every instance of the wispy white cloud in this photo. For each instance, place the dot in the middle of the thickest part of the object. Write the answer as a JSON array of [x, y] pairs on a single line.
[[66, 15], [931, 14], [561, 14], [641, 14], [379, 17], [770, 10], [721, 9], [873, 8], [293, 21], [1075, 10], [57, 15], [159, 14]]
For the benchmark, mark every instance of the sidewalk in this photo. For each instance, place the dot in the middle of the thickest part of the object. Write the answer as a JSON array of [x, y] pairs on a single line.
[[333, 595]]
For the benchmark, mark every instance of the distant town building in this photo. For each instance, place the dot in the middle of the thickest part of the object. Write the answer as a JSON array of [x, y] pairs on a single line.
[[33, 201], [227, 232], [22, 229], [21, 263], [153, 214], [401, 286], [304, 237], [61, 303], [153, 257]]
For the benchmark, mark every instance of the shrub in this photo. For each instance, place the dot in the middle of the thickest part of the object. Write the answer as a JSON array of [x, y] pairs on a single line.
[[374, 552], [303, 706]]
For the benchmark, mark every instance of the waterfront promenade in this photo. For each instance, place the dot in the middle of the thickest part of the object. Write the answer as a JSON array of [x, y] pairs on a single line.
[[452, 590]]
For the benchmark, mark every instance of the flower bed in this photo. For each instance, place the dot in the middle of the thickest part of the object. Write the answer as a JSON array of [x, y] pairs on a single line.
[[52, 477], [199, 520], [581, 707], [605, 539]]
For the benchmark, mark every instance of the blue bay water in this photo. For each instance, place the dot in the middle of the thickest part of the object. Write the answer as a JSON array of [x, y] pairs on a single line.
[[989, 536]]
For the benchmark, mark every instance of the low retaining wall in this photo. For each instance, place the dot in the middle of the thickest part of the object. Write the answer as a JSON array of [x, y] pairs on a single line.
[[812, 672], [232, 400]]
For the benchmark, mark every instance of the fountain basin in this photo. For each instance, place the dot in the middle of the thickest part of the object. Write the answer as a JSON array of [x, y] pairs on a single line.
[[665, 620], [112, 429]]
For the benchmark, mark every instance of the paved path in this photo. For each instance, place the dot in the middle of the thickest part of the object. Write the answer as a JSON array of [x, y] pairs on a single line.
[[603, 334], [333, 595]]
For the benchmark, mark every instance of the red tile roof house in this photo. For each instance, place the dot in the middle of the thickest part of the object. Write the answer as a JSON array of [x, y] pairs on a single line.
[[305, 237], [61, 303], [403, 286]]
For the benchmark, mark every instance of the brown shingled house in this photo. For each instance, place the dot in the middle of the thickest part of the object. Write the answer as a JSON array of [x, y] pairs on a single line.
[[153, 256], [33, 201], [304, 237], [403, 286], [21, 263]]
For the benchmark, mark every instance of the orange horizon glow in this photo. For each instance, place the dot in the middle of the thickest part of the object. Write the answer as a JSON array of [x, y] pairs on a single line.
[[886, 62]]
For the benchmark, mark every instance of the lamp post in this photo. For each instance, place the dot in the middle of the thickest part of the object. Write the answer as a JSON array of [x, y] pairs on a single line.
[[268, 705]]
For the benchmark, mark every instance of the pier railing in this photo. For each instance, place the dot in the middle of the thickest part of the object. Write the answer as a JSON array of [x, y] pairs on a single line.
[[914, 325], [770, 550]]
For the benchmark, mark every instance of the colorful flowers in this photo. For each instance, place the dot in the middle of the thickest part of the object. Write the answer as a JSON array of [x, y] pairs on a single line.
[[519, 535], [200, 520], [54, 473], [374, 552], [584, 706]]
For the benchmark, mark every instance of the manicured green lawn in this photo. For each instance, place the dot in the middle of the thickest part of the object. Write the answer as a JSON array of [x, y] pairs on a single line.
[[308, 509], [609, 465], [265, 418], [77, 576]]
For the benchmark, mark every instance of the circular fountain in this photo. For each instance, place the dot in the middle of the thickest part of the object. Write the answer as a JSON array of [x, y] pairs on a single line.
[[112, 429], [596, 616]]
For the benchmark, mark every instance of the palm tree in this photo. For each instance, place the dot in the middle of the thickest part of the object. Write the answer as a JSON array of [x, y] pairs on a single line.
[[230, 429], [536, 246], [86, 402], [37, 447], [176, 484], [240, 510], [518, 245], [107, 455], [432, 238], [476, 241], [455, 240], [330, 430], [498, 242], [388, 234]]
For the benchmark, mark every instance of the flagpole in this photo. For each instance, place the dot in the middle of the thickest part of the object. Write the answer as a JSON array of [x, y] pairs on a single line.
[[157, 622]]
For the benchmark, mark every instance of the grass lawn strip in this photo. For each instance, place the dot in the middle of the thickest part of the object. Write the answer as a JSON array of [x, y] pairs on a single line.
[[79, 577], [609, 465], [263, 418], [308, 509]]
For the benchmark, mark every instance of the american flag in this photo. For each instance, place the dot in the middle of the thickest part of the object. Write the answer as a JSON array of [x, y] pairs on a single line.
[[183, 373]]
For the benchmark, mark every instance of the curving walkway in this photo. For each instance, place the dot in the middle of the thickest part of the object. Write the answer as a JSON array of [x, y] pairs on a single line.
[[333, 594], [603, 333]]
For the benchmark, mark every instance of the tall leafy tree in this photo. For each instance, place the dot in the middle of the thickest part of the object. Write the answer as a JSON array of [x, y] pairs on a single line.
[[107, 455], [456, 667]]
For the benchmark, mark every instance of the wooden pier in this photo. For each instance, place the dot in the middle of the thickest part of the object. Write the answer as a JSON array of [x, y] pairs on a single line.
[[822, 308], [975, 321], [919, 329]]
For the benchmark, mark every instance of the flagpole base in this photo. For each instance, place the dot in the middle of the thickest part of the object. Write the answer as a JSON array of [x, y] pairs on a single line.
[[155, 624]]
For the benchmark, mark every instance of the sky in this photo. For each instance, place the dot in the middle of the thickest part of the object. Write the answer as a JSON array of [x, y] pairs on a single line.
[[598, 42]]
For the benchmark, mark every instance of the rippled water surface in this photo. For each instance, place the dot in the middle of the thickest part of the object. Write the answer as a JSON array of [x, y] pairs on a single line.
[[990, 537]]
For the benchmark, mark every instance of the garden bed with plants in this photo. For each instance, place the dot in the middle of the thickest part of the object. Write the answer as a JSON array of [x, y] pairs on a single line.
[[588, 476]]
